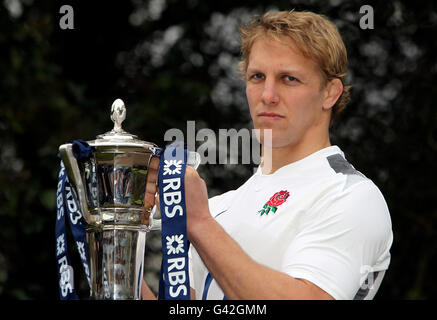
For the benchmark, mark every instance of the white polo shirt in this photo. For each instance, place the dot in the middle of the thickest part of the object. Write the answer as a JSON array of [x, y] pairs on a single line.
[[317, 219]]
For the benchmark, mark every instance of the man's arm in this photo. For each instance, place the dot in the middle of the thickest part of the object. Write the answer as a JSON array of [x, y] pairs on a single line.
[[146, 292], [239, 276], [193, 294]]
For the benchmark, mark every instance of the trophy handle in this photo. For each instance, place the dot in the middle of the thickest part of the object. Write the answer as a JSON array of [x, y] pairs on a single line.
[[193, 158], [73, 173]]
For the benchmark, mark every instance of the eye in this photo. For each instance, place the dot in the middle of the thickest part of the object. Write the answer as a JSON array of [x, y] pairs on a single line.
[[290, 78], [256, 76]]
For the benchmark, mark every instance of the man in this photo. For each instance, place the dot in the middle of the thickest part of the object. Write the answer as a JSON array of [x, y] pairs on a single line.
[[306, 225]]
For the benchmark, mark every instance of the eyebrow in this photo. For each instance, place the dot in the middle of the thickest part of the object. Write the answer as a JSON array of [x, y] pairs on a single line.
[[282, 71]]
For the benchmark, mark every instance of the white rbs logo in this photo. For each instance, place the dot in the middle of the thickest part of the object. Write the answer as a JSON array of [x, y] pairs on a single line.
[[171, 193], [66, 282]]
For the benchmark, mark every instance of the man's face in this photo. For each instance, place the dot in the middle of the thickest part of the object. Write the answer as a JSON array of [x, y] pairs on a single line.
[[285, 92]]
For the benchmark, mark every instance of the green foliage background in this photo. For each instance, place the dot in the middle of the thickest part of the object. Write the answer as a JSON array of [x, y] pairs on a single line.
[[175, 60]]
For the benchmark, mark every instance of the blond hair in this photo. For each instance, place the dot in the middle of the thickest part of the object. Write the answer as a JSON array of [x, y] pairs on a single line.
[[314, 35]]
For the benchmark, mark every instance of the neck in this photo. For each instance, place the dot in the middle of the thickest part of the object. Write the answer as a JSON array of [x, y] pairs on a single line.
[[277, 157]]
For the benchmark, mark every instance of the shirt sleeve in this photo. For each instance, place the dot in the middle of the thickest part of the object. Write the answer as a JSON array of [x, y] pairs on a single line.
[[341, 240], [197, 270]]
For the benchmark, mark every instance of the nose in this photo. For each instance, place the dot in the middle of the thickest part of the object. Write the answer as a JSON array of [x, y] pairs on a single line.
[[270, 95]]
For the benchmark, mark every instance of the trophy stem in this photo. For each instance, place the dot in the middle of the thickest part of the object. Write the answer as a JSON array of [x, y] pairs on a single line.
[[116, 261]]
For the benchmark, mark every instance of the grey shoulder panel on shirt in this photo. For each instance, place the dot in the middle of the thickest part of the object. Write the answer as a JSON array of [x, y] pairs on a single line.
[[370, 286], [341, 165]]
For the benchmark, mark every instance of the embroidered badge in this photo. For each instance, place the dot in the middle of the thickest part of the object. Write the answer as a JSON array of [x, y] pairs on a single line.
[[275, 201]]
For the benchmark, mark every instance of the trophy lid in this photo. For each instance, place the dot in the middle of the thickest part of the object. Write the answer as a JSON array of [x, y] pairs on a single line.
[[117, 136]]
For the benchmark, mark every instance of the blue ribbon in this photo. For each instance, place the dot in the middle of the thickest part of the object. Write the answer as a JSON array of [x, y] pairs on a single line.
[[67, 208], [174, 282], [82, 150]]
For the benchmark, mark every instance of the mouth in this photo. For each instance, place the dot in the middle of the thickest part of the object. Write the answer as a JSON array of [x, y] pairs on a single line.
[[270, 116]]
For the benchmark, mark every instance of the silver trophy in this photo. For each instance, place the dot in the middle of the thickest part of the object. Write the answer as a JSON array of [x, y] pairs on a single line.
[[110, 187]]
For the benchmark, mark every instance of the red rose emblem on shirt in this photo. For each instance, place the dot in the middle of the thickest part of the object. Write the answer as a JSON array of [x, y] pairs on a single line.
[[278, 198]]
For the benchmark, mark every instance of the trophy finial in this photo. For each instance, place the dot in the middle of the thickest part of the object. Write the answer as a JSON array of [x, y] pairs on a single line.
[[118, 114]]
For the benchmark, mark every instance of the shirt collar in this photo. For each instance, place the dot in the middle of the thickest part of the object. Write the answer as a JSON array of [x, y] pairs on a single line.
[[292, 167]]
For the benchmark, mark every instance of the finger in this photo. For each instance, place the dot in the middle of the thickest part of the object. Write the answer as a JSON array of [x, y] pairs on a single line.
[[151, 187], [189, 171]]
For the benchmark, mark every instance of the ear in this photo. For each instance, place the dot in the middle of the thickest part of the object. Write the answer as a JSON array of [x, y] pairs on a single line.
[[334, 89]]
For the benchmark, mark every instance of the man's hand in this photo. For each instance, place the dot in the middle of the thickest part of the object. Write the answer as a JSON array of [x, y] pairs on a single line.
[[196, 201], [151, 189]]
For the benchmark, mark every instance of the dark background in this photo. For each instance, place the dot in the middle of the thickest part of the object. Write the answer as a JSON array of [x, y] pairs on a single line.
[[175, 60]]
